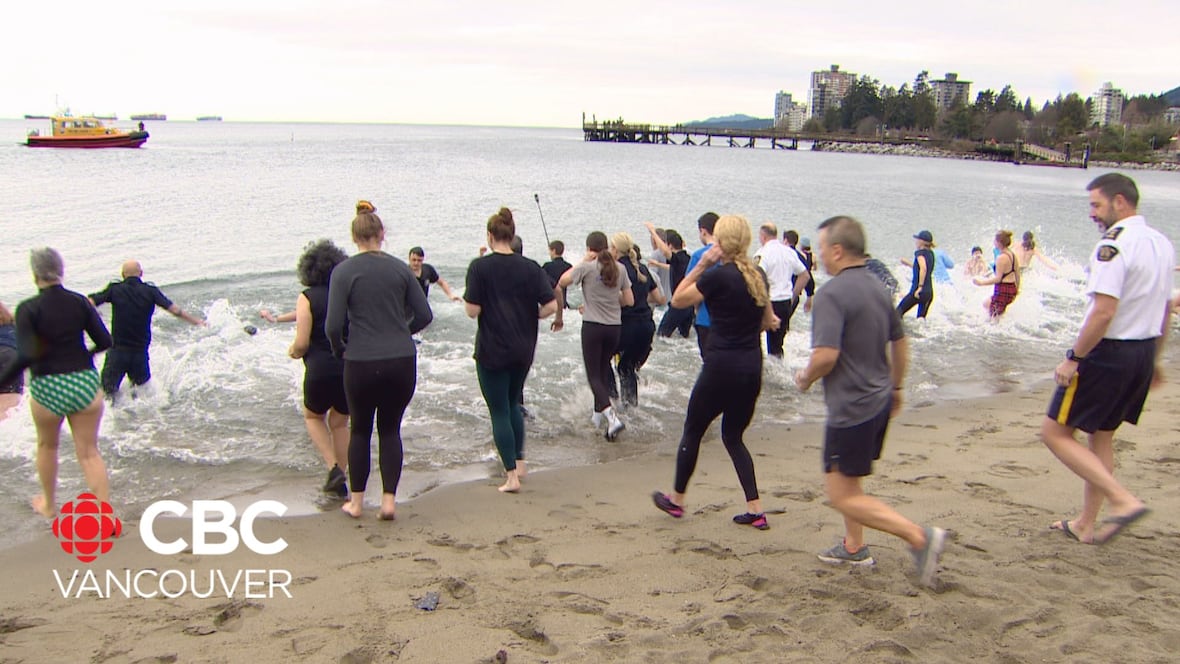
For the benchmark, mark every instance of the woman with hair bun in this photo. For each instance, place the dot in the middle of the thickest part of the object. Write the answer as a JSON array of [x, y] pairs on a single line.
[[730, 380], [325, 406], [507, 294], [1006, 277], [606, 289], [1027, 250], [377, 297], [638, 328]]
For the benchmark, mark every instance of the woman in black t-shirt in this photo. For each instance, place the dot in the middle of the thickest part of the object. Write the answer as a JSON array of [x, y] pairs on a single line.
[[507, 294], [638, 327], [325, 407], [730, 381]]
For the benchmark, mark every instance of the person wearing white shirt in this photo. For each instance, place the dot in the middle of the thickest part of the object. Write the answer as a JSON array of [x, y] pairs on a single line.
[[782, 267], [1114, 360]]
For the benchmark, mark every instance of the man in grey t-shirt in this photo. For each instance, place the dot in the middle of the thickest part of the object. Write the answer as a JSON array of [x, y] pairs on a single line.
[[859, 350]]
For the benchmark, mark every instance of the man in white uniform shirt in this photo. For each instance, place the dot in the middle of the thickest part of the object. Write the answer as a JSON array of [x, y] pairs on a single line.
[[782, 266], [1108, 370]]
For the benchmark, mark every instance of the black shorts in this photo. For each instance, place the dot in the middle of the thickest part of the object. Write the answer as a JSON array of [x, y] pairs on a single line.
[[16, 384], [323, 392], [1109, 388], [852, 450]]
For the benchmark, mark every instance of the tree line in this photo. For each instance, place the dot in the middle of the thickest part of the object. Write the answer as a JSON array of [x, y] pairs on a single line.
[[870, 108]]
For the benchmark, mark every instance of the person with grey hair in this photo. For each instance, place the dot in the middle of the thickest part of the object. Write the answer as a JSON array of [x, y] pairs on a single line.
[[859, 350], [64, 383], [133, 301]]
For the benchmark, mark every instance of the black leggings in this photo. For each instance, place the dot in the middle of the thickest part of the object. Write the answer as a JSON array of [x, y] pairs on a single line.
[[910, 300], [384, 388], [720, 390], [599, 343], [774, 338], [634, 347]]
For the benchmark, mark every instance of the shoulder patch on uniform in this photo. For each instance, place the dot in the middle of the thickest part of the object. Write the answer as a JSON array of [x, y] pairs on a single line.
[[1112, 234], [1106, 253]]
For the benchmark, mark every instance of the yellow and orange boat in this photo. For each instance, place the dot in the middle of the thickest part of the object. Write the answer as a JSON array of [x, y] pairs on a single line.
[[69, 131]]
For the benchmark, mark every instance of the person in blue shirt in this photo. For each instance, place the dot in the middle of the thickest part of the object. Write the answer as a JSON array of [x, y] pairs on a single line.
[[705, 226]]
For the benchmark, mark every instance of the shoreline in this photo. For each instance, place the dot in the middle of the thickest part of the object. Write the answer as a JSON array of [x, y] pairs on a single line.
[[911, 150], [581, 567]]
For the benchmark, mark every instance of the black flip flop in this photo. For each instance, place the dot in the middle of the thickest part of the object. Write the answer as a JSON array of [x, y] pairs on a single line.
[[1120, 523]]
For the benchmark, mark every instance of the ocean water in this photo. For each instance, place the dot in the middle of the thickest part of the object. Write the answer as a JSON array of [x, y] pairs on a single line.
[[219, 212]]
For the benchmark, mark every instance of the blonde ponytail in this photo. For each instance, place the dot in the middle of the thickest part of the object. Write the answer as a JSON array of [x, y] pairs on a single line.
[[732, 234], [625, 245]]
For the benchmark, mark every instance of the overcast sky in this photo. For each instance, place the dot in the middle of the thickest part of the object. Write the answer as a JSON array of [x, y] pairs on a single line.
[[542, 63]]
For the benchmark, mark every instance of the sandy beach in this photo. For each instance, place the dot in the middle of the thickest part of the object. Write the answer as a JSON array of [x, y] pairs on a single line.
[[581, 567]]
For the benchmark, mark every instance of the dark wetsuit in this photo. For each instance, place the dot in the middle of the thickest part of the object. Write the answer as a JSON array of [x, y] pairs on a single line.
[[926, 297], [49, 329], [9, 358], [323, 373]]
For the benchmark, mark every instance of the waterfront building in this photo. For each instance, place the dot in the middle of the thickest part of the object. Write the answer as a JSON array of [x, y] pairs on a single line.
[[828, 88], [949, 90], [788, 114], [1172, 115], [1106, 106]]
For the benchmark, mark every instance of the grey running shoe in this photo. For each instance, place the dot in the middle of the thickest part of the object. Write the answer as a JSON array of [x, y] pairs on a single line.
[[926, 558], [838, 554]]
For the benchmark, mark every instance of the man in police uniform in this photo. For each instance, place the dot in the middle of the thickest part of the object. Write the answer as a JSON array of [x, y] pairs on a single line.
[[132, 304], [1106, 374]]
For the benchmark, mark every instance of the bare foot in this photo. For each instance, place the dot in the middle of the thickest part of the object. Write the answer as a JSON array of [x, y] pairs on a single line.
[[388, 508], [512, 484], [521, 470], [353, 509], [41, 506]]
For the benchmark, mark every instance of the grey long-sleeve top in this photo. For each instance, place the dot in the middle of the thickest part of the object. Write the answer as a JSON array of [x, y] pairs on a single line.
[[374, 305]]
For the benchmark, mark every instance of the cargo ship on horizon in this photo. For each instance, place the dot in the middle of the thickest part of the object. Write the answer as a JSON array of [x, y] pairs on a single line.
[[150, 116], [209, 118]]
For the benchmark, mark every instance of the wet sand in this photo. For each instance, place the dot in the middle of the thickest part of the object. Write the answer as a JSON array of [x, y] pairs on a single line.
[[581, 567]]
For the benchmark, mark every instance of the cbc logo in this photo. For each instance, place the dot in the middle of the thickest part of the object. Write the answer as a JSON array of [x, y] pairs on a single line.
[[205, 524], [85, 527]]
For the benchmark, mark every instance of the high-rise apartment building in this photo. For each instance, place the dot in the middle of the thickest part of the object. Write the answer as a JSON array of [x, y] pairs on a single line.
[[949, 90], [1106, 106], [788, 114], [827, 90]]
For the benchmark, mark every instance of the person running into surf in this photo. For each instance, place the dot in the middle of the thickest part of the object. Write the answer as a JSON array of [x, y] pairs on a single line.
[[730, 379], [858, 349], [64, 383], [606, 289], [507, 294], [638, 327], [377, 299], [325, 405], [14, 387], [1006, 277]]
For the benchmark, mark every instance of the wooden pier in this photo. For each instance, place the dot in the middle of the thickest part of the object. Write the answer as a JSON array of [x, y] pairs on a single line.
[[618, 131]]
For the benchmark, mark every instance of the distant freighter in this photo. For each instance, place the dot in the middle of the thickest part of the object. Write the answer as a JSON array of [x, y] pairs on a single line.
[[150, 116], [209, 118]]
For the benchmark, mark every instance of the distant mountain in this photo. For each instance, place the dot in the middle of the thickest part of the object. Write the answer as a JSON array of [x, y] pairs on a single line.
[[738, 121], [1173, 97]]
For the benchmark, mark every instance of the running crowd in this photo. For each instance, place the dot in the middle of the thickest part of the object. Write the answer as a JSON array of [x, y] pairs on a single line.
[[355, 321]]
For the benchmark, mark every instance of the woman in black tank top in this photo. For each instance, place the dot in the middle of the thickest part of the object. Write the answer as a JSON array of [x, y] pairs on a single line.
[[325, 409]]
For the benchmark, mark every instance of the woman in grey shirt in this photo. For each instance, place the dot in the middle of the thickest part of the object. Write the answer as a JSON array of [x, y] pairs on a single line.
[[374, 305], [606, 289]]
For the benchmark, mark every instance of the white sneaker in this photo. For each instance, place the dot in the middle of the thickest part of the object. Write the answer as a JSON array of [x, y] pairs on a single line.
[[597, 419], [614, 424]]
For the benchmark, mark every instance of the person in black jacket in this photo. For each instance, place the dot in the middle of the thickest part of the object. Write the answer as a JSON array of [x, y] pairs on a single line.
[[64, 383]]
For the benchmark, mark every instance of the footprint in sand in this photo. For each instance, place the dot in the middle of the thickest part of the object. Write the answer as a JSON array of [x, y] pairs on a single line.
[[706, 548], [984, 491], [376, 541], [802, 496], [1012, 470], [231, 615]]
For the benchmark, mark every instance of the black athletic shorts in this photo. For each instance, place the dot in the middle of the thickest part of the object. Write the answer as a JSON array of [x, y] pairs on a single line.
[[852, 450], [323, 392], [1109, 388]]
